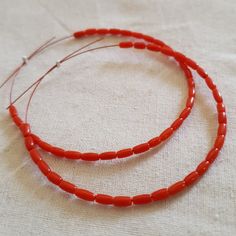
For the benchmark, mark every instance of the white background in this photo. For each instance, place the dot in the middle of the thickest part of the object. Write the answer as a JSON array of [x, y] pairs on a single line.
[[112, 99]]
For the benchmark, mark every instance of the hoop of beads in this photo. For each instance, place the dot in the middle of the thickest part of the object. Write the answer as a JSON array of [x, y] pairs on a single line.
[[157, 195], [127, 152]]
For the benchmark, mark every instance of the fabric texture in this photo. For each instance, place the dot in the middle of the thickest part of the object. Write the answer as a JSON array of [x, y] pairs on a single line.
[[112, 99]]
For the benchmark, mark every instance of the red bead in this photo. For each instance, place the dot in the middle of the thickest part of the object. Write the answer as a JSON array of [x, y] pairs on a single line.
[[217, 95], [180, 57], [67, 186], [137, 35], [35, 138], [166, 134], [54, 178], [159, 42], [72, 155], [222, 129], [202, 73], [43, 166], [25, 129], [210, 83], [192, 92], [125, 32], [141, 148], [122, 201], [89, 156], [222, 117], [104, 199], [36, 157], [139, 45], [107, 155], [13, 111], [17, 120], [58, 151], [191, 178], [153, 47], [84, 194], [102, 31], [154, 142], [126, 44], [219, 141], [45, 146], [185, 113], [177, 123], [212, 155], [160, 194], [142, 199], [220, 107], [190, 102], [90, 31], [29, 143], [203, 167], [124, 153], [79, 34], [148, 38], [114, 31], [191, 63], [167, 51], [177, 187]]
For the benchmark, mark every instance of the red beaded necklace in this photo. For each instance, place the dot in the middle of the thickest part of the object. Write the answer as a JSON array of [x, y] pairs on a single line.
[[185, 63]]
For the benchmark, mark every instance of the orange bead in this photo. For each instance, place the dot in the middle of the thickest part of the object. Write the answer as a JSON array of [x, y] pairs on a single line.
[[142, 199], [58, 151], [54, 178], [185, 113], [177, 187], [43, 166], [222, 117], [203, 167], [202, 73], [17, 120], [154, 142], [153, 47], [13, 111], [36, 157], [90, 31], [25, 129], [217, 95], [72, 154], [210, 83], [126, 44], [141, 148], [160, 194], [219, 141], [107, 155], [104, 199], [222, 129], [177, 123], [84, 194], [212, 155], [122, 201], [45, 146], [166, 134], [139, 45], [102, 31], [79, 34], [191, 178], [29, 143], [89, 156], [124, 153], [67, 186], [220, 107]]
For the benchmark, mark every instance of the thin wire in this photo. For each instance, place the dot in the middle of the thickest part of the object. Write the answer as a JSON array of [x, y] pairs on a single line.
[[37, 83]]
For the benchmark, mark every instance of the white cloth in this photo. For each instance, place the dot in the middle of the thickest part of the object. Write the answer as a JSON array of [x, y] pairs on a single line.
[[112, 99]]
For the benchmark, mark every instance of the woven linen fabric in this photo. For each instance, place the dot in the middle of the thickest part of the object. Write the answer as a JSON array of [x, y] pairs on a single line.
[[112, 99]]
